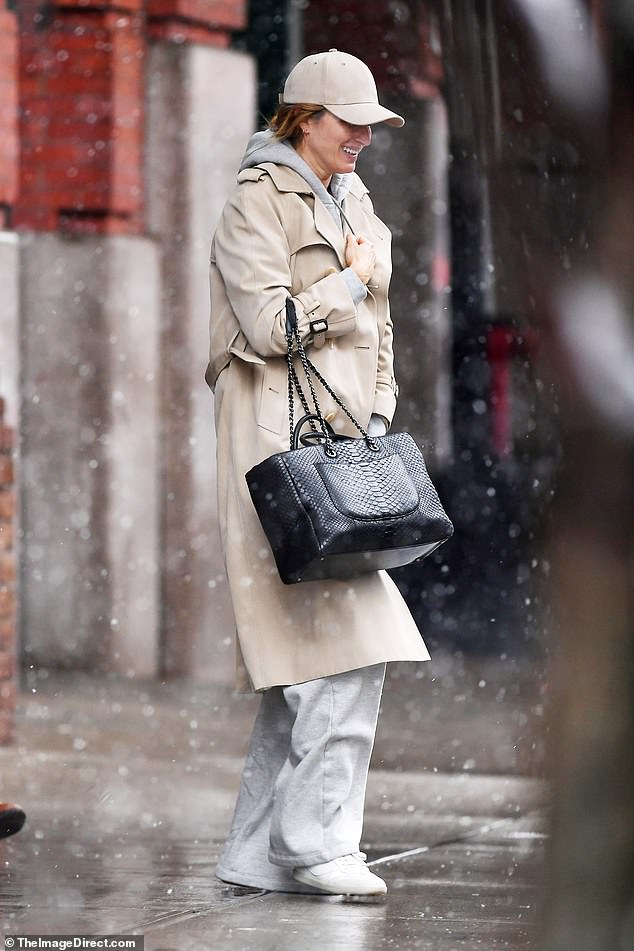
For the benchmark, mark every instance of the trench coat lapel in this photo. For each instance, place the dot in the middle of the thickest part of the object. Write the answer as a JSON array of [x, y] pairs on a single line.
[[288, 180], [329, 230]]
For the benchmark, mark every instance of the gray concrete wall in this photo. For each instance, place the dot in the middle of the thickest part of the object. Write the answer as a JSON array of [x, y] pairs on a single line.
[[9, 324], [10, 393], [90, 318], [200, 112]]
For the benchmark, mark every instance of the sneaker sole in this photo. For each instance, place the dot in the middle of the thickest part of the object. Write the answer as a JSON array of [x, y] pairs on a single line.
[[308, 880]]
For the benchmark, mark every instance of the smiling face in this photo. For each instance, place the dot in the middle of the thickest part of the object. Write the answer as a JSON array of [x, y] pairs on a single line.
[[331, 146]]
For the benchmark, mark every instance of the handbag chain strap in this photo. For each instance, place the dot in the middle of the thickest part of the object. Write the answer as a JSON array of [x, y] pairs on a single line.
[[293, 383], [293, 334]]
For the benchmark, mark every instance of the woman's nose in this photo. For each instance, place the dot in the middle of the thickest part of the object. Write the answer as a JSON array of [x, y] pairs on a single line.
[[362, 134]]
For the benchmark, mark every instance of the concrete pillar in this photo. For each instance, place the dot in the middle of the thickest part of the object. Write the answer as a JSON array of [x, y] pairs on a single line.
[[8, 588], [199, 113], [9, 469], [90, 452], [9, 345]]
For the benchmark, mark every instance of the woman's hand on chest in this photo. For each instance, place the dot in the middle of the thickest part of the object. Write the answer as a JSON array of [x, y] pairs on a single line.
[[360, 256]]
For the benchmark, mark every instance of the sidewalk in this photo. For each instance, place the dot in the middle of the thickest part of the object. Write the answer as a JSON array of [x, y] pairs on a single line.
[[129, 788]]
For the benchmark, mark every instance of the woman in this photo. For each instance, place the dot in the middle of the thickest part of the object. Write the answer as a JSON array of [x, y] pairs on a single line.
[[300, 223]]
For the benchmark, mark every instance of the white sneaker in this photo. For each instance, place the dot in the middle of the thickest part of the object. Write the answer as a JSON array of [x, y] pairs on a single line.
[[347, 875]]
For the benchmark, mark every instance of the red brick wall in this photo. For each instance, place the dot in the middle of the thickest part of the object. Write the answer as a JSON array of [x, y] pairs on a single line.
[[197, 21], [81, 104], [8, 593], [8, 113], [81, 126]]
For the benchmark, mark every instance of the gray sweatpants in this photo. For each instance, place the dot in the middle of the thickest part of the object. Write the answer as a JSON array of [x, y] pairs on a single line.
[[303, 784]]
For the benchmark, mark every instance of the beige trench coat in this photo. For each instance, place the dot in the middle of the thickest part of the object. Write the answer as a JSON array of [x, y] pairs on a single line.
[[276, 238]]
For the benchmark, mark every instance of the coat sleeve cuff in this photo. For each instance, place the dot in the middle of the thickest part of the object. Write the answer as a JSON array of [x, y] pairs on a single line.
[[378, 425], [384, 402], [358, 290], [327, 300]]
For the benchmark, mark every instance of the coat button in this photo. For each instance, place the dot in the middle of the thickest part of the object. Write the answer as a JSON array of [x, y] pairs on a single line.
[[329, 417]]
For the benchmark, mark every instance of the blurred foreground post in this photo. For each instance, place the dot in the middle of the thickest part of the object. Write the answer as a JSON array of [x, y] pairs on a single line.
[[590, 904]]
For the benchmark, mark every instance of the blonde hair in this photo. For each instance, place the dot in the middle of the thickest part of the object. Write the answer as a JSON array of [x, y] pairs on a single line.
[[286, 123]]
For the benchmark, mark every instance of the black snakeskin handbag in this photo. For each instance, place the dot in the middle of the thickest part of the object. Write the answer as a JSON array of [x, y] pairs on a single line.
[[339, 507]]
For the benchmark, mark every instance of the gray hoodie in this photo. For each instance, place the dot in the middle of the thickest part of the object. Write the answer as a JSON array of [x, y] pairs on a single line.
[[264, 147]]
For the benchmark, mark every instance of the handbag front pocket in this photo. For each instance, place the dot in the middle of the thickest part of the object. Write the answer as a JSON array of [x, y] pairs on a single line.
[[370, 488]]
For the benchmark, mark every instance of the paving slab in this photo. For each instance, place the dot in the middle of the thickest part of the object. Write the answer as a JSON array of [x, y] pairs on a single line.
[[129, 791]]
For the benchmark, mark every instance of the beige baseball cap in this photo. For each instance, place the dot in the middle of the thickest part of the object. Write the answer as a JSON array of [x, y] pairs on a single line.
[[340, 83]]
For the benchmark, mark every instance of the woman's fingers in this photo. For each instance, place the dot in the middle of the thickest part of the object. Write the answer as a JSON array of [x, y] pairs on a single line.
[[360, 256]]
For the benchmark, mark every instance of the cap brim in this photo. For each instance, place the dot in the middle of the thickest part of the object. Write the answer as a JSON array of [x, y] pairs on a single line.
[[364, 113]]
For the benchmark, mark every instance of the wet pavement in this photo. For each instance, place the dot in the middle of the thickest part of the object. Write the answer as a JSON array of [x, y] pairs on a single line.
[[129, 789]]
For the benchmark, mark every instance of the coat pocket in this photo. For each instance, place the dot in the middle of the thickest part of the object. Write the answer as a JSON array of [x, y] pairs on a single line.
[[273, 410], [247, 355]]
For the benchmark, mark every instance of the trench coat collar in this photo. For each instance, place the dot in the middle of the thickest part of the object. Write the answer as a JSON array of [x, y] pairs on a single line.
[[286, 179]]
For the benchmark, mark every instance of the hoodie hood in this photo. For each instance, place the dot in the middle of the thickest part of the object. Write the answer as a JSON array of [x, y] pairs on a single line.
[[264, 147]]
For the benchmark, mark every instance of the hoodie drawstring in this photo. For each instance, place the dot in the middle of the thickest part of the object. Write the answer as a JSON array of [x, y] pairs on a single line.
[[343, 214]]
